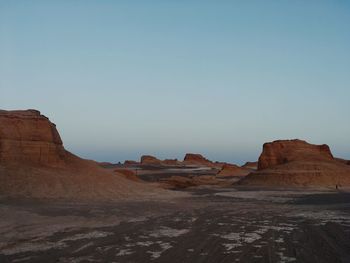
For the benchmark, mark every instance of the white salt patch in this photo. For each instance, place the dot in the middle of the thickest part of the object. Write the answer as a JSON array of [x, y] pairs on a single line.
[[279, 240], [156, 254], [251, 237], [169, 232], [32, 247], [230, 246], [144, 243], [84, 246], [285, 259], [93, 234], [124, 252]]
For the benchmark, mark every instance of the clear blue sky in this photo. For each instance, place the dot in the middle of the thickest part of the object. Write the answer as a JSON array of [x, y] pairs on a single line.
[[125, 78]]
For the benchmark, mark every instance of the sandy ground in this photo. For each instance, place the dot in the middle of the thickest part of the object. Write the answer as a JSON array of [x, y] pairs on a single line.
[[209, 225]]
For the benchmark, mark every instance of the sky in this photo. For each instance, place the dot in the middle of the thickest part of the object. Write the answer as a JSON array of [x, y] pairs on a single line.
[[126, 78]]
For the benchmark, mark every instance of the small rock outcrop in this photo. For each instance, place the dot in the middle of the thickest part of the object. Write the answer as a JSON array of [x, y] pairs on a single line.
[[130, 162], [229, 170], [197, 159], [149, 159]]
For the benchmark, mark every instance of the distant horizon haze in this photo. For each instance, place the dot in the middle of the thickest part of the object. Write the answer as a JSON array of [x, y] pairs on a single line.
[[123, 79]]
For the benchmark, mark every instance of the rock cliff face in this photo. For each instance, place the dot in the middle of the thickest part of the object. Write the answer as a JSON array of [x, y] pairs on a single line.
[[29, 137], [284, 151], [34, 164], [298, 163]]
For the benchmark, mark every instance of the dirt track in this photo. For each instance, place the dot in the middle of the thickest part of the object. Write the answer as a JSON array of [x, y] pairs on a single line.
[[212, 225]]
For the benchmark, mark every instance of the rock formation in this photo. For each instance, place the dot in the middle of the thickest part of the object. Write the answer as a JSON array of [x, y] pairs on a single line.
[[28, 137], [298, 163], [233, 170], [196, 159], [280, 152], [149, 159], [130, 163], [34, 163]]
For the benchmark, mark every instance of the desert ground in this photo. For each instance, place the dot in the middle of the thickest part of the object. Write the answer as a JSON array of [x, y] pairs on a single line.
[[203, 224]]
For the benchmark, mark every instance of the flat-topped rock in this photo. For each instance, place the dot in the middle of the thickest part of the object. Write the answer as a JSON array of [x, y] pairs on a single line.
[[29, 137], [149, 159], [284, 151], [196, 159], [298, 163]]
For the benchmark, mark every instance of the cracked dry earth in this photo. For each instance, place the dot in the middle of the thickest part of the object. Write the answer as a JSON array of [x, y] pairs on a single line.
[[209, 225]]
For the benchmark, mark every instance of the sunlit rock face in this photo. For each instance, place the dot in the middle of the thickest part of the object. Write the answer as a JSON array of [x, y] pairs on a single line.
[[298, 163], [196, 159], [284, 151], [29, 137]]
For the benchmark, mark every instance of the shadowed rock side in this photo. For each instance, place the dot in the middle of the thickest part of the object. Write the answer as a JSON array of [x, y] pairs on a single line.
[[251, 165], [34, 163], [298, 163], [343, 161]]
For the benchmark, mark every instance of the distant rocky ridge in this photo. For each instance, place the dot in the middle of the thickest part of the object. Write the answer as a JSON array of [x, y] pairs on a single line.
[[298, 163], [190, 159]]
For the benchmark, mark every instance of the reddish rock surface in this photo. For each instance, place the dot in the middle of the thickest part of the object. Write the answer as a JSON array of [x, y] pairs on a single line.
[[129, 162], [280, 152], [251, 165], [171, 162], [149, 159], [233, 170], [298, 163], [128, 174], [197, 159], [29, 137], [176, 182], [33, 163]]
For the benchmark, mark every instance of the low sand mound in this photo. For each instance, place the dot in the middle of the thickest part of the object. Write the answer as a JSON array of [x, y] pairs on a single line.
[[233, 170], [298, 163], [34, 163], [128, 174]]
